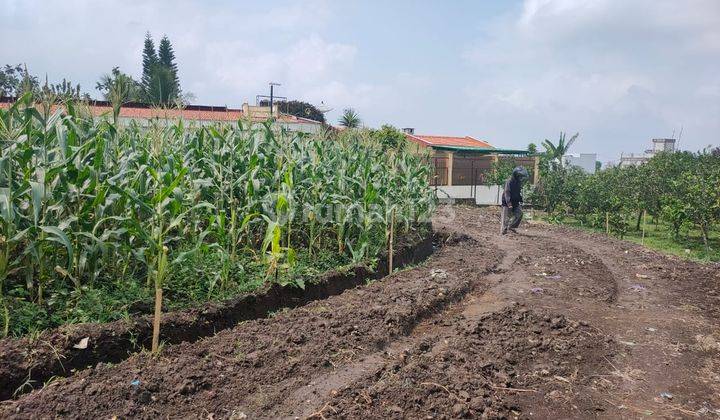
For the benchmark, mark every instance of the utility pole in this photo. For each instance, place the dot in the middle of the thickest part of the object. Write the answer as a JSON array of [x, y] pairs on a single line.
[[272, 85]]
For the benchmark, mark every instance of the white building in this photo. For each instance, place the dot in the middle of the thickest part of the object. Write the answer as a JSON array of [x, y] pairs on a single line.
[[659, 145], [584, 161]]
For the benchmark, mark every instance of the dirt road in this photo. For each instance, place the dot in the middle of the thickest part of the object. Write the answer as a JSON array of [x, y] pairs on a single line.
[[548, 323]]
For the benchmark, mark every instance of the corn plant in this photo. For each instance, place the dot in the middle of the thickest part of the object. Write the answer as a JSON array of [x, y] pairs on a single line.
[[87, 202]]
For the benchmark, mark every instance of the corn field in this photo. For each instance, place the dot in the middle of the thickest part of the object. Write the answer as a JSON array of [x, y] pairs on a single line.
[[85, 202]]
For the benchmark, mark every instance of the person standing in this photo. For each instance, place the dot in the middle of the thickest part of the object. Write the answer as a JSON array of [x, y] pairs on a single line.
[[512, 200]]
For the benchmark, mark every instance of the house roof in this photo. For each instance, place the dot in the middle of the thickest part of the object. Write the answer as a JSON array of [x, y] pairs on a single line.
[[482, 150], [190, 112], [438, 141]]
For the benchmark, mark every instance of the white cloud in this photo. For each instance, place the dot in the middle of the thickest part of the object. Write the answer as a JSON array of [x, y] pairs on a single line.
[[619, 72]]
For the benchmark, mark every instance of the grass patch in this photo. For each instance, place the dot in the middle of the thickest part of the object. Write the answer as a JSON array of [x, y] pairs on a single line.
[[659, 237], [194, 283]]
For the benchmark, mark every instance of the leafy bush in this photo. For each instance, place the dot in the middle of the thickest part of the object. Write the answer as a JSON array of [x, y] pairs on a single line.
[[681, 188]]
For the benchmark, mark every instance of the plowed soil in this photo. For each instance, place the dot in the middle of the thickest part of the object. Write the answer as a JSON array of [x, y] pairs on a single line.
[[547, 323]]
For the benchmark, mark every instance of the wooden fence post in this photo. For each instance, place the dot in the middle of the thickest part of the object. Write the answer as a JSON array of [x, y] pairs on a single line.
[[156, 320], [390, 245], [607, 223], [642, 241]]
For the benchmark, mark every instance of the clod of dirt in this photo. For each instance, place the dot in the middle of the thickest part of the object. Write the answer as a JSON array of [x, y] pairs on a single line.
[[507, 358], [707, 343]]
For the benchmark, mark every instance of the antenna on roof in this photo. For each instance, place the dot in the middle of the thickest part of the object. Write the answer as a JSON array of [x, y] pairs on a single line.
[[272, 85], [677, 143]]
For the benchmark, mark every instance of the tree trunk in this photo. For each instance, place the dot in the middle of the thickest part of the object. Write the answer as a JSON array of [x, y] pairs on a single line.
[[639, 218], [704, 231]]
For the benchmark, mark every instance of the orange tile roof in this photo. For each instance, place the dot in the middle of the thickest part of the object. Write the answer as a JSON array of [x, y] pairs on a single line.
[[192, 112], [430, 141], [148, 113]]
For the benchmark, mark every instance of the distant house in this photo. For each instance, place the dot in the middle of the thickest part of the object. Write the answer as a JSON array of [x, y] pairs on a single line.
[[659, 145], [143, 114], [464, 160], [584, 161], [462, 165]]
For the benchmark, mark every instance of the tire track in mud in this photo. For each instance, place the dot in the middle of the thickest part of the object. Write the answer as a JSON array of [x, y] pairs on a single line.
[[406, 374], [540, 244], [433, 333], [625, 350], [598, 269]]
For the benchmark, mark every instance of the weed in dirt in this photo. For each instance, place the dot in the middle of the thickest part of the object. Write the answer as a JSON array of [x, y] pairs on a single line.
[[273, 314], [25, 386]]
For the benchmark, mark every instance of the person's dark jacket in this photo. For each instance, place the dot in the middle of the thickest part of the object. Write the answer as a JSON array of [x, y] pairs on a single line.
[[512, 195]]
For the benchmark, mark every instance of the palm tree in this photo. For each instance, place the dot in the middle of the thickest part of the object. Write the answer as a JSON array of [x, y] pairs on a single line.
[[118, 88], [350, 118], [555, 153]]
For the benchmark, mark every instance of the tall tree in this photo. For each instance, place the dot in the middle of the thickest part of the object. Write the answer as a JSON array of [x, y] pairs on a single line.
[[10, 79], [161, 87], [160, 83], [390, 137], [350, 118], [298, 108], [166, 57], [149, 62]]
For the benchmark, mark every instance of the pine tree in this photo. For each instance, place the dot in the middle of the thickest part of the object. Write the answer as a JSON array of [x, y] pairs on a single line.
[[166, 56], [160, 82], [150, 63]]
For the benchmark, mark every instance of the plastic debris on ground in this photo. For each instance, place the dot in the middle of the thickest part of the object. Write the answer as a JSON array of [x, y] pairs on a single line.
[[82, 344]]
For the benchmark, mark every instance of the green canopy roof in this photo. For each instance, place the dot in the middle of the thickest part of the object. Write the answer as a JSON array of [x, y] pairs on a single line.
[[482, 150]]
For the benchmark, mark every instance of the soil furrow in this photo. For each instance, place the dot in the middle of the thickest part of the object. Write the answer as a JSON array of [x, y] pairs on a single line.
[[309, 399], [239, 369], [27, 363]]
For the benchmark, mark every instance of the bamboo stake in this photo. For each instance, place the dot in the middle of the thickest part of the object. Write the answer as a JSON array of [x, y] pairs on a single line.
[[607, 223], [156, 320], [502, 219], [642, 241], [390, 246]]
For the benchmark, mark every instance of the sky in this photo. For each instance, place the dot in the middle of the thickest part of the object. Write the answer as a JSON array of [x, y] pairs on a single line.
[[619, 72]]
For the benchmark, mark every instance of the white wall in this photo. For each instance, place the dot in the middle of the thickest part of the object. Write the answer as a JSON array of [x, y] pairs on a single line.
[[585, 161], [483, 194]]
